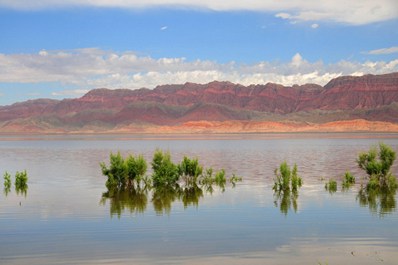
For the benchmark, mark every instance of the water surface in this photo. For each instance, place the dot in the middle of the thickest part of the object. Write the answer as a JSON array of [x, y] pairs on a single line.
[[64, 220]]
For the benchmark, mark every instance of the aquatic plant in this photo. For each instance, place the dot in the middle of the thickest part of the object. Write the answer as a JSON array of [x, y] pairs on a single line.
[[190, 170], [377, 164], [165, 172], [136, 168], [348, 180], [7, 183], [380, 190], [185, 181], [286, 179], [286, 185], [234, 179], [117, 171], [220, 178], [124, 172], [331, 186], [21, 182]]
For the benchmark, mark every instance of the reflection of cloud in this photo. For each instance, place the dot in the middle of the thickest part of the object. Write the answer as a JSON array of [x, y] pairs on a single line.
[[352, 12], [384, 51], [88, 68]]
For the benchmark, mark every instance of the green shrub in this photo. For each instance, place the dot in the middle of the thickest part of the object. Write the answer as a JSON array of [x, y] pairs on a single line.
[[220, 178], [331, 186], [190, 170], [286, 179], [7, 183], [165, 172], [348, 180], [296, 181], [377, 164], [235, 179], [122, 172], [136, 168], [117, 172], [21, 182]]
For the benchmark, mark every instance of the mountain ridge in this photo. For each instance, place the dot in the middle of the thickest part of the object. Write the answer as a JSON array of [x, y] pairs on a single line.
[[369, 97]]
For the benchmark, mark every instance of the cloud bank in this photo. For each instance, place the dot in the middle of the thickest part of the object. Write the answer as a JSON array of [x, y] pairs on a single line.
[[84, 69], [389, 50], [352, 12]]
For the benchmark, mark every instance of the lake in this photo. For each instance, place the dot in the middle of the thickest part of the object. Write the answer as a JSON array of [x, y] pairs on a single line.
[[64, 218]]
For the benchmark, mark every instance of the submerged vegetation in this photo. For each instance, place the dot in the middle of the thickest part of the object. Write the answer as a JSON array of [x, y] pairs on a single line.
[[21, 182], [380, 186], [348, 180], [331, 186], [377, 164], [7, 183], [286, 185], [286, 179], [129, 186], [379, 192]]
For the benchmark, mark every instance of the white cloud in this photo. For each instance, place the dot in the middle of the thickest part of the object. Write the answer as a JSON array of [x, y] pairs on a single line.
[[85, 69], [352, 12], [314, 26], [384, 51], [74, 92], [163, 28], [297, 60], [283, 15]]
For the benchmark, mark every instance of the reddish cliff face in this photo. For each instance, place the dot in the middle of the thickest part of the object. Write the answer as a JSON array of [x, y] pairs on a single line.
[[371, 97]]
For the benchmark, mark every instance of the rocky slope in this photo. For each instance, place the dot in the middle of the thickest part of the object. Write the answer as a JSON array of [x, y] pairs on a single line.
[[369, 97]]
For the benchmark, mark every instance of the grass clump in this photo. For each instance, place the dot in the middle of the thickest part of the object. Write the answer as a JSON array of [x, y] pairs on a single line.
[[348, 180], [331, 186], [286, 185], [7, 182], [21, 182], [286, 179]]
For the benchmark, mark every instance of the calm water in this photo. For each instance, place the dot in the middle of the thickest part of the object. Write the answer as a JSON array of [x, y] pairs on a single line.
[[64, 220]]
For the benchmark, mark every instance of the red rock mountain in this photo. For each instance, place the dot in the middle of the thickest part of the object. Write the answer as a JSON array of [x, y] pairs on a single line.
[[369, 97]]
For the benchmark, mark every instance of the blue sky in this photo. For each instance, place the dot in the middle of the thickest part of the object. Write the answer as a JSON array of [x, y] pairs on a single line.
[[58, 49]]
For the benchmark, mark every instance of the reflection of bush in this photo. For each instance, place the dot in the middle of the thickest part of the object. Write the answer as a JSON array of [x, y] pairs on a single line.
[[379, 201], [191, 195], [21, 183], [286, 185], [377, 164], [7, 183], [170, 182], [133, 199], [285, 200], [331, 186], [379, 192]]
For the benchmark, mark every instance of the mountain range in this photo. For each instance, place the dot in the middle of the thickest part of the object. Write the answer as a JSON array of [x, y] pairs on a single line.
[[347, 103]]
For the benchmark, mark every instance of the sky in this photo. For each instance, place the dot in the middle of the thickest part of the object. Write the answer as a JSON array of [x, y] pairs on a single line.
[[64, 48]]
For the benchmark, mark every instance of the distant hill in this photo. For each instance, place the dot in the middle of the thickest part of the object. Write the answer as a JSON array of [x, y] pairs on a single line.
[[370, 99]]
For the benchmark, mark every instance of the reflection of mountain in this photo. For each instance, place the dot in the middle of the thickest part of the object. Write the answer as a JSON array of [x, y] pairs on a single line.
[[220, 104]]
